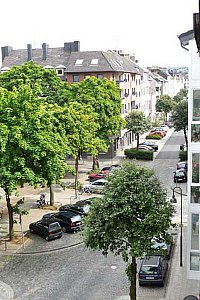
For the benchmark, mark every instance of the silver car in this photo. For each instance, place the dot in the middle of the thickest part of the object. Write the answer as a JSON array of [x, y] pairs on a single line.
[[96, 186]]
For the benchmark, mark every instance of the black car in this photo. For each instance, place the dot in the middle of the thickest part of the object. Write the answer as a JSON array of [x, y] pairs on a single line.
[[152, 144], [48, 229], [81, 207], [153, 270], [68, 220], [180, 175], [181, 165]]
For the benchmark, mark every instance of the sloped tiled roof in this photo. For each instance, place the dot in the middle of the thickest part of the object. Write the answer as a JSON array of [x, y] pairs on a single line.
[[105, 61]]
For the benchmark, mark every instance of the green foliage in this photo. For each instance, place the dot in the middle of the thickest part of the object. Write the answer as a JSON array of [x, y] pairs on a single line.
[[103, 96], [180, 115], [133, 210], [182, 155], [137, 122], [165, 104], [154, 137], [181, 95], [138, 154]]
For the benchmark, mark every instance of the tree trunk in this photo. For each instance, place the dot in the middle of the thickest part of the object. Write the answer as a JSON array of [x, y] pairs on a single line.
[[10, 216], [138, 139], [76, 177], [51, 195], [186, 140], [133, 279], [95, 164]]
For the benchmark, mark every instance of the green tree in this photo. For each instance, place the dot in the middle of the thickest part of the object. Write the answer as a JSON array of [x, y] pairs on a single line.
[[103, 96], [137, 123], [182, 95], [50, 87], [165, 104], [81, 132], [180, 117], [134, 210], [32, 144]]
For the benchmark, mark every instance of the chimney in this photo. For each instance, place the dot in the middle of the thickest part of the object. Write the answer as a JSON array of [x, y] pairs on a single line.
[[72, 46], [29, 51], [5, 51], [44, 51]]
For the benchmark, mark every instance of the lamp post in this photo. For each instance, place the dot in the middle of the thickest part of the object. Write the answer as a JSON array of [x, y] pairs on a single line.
[[174, 200]]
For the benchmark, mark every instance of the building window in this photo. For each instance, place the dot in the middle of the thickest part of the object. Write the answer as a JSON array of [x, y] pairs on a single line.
[[94, 61], [195, 133], [195, 232], [195, 194], [196, 105], [195, 167], [75, 78], [128, 77], [60, 72], [100, 76], [194, 261], [79, 62]]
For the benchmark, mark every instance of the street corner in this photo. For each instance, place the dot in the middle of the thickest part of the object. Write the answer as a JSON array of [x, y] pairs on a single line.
[[6, 292]]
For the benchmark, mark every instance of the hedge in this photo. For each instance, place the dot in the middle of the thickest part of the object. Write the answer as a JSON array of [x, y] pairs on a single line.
[[138, 154], [183, 155], [154, 137]]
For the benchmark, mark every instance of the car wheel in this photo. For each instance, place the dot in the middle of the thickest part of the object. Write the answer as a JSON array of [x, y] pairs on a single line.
[[64, 229], [47, 238], [140, 284]]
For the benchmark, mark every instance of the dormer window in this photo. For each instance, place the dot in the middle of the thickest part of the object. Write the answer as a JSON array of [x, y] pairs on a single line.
[[60, 70]]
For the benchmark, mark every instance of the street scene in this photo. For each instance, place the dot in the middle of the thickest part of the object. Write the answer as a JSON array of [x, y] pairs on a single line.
[[65, 269]]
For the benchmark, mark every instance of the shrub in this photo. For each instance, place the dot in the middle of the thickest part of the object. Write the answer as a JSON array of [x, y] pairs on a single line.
[[154, 137], [138, 154], [183, 155]]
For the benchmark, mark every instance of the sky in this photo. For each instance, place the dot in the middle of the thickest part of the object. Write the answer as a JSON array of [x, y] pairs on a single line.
[[147, 28]]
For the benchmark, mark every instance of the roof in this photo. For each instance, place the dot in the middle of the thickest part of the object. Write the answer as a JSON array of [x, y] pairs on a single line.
[[85, 61]]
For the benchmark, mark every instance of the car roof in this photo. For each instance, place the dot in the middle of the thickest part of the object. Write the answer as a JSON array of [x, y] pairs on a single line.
[[67, 213], [100, 180], [151, 260]]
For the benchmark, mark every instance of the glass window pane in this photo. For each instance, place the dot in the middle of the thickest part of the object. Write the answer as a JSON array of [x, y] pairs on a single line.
[[195, 134], [195, 232], [194, 261], [196, 105], [195, 167], [195, 194]]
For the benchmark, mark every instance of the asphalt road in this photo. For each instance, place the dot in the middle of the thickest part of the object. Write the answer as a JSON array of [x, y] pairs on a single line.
[[76, 273]]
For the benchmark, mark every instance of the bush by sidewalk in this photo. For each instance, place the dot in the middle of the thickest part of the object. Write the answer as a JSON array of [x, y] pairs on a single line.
[[183, 155], [138, 154], [154, 137]]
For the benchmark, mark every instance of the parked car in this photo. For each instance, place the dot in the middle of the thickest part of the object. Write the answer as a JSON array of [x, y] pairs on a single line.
[[165, 127], [95, 186], [93, 176], [81, 207], [48, 229], [161, 129], [153, 270], [151, 144], [144, 147], [180, 175], [163, 248], [181, 165], [68, 220], [157, 132], [108, 169]]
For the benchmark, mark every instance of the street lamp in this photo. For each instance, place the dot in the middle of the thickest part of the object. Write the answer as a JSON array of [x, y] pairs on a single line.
[[174, 200]]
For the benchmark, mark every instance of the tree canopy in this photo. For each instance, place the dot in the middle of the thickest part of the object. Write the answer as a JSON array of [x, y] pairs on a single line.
[[180, 117], [134, 210], [137, 123], [182, 95], [32, 143], [104, 97], [165, 104]]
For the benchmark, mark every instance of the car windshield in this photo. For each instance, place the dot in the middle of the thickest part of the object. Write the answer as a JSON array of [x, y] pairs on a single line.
[[149, 270]]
